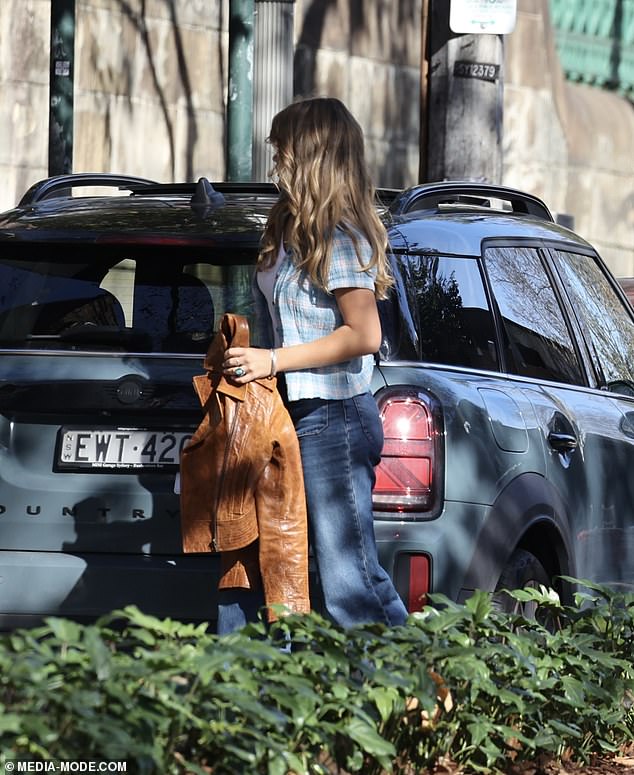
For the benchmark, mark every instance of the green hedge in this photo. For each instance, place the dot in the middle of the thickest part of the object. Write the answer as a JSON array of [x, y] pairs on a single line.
[[468, 682]]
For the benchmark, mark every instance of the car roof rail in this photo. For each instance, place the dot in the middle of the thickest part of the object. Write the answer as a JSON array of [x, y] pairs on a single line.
[[61, 185], [468, 195]]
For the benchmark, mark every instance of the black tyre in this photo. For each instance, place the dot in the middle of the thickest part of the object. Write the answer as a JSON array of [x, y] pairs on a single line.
[[523, 571]]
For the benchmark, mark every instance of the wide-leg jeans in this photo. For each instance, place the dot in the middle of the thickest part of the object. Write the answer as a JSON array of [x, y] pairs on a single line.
[[340, 443]]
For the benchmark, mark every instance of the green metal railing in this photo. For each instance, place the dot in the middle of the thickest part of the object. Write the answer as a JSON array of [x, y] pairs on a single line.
[[595, 42]]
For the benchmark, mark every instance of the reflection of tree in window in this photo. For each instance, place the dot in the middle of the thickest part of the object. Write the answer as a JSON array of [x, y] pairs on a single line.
[[439, 306], [444, 313], [537, 340], [602, 313], [524, 292]]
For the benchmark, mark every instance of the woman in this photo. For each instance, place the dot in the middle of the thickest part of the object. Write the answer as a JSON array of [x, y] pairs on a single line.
[[321, 268]]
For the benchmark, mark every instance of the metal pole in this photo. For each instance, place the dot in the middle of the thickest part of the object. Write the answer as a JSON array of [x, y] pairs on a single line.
[[423, 153], [240, 97], [62, 73], [272, 74], [464, 102]]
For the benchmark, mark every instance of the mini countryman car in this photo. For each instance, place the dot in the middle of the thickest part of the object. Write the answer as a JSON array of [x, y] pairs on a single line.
[[505, 383]]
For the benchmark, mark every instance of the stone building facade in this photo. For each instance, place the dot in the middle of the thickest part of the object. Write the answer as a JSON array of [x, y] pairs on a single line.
[[150, 87]]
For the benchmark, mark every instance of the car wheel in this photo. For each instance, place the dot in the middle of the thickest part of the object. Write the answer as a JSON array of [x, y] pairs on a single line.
[[522, 571]]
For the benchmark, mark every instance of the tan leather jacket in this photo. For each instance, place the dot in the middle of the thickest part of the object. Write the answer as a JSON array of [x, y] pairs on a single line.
[[242, 487]]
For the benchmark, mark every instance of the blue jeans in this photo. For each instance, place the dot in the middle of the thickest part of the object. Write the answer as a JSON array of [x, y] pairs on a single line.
[[237, 607], [340, 443]]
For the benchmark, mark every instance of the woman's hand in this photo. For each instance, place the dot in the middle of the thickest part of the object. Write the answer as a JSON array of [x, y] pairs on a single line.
[[244, 364]]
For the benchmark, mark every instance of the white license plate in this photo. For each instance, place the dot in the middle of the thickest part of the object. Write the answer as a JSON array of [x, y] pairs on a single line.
[[121, 448]]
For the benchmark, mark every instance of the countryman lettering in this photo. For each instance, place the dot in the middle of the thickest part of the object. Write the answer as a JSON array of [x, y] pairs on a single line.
[[102, 512]]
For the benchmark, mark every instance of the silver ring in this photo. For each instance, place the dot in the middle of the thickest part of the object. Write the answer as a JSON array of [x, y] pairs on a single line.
[[239, 372]]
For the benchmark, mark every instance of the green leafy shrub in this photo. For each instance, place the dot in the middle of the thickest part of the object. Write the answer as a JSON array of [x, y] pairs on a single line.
[[483, 687]]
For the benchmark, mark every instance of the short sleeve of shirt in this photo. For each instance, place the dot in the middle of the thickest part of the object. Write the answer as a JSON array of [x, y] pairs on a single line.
[[345, 269]]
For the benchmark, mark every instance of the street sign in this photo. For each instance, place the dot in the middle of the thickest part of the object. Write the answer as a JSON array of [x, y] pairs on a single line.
[[492, 17]]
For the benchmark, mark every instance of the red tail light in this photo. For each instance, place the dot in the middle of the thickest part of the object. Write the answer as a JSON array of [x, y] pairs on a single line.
[[413, 579], [407, 478], [418, 582]]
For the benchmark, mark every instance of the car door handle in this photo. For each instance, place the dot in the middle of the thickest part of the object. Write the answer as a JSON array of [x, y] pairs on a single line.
[[562, 442]]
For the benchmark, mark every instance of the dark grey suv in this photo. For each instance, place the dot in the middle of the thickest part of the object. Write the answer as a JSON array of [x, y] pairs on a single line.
[[505, 383]]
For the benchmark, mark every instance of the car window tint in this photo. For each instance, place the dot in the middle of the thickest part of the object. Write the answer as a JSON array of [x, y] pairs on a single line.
[[536, 339], [179, 306], [119, 281], [135, 299], [604, 317], [438, 313], [39, 300]]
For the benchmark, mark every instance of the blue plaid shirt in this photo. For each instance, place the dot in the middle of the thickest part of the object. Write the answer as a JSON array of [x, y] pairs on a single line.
[[307, 313]]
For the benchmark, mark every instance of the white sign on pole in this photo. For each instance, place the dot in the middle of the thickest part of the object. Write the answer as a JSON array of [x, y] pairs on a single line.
[[494, 17]]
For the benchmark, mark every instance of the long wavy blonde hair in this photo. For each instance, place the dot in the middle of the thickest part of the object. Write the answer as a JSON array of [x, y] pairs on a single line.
[[324, 183]]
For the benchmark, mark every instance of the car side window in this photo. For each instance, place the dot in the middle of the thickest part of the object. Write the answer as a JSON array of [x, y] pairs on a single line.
[[438, 313], [536, 339], [604, 317]]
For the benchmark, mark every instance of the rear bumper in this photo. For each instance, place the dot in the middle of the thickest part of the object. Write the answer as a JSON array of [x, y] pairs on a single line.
[[449, 543], [38, 584], [183, 587]]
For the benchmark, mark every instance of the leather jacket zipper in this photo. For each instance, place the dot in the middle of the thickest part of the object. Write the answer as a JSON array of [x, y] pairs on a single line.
[[228, 444]]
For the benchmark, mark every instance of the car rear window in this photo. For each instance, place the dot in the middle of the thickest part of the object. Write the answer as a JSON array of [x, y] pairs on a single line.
[[163, 300]]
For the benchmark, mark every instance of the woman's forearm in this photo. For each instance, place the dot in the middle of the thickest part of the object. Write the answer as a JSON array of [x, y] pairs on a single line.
[[343, 344], [359, 334]]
